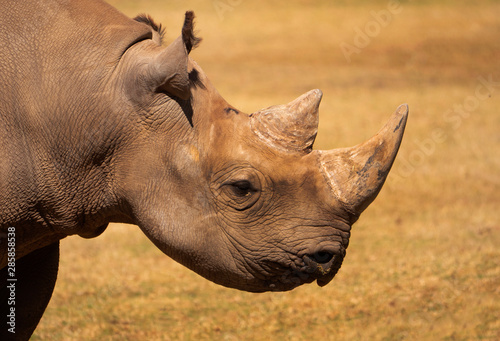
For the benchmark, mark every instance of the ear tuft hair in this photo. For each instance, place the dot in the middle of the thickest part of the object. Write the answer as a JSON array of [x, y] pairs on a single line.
[[148, 20], [188, 37]]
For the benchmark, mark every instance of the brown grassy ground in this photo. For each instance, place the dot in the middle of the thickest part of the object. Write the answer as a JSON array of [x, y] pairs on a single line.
[[423, 263]]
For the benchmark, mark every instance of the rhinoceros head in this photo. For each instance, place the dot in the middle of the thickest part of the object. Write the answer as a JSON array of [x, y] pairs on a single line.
[[242, 199]]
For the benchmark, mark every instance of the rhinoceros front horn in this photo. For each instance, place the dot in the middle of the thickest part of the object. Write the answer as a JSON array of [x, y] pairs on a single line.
[[357, 174], [290, 127]]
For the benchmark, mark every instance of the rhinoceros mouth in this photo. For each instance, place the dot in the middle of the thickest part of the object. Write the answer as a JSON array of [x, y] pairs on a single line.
[[320, 266]]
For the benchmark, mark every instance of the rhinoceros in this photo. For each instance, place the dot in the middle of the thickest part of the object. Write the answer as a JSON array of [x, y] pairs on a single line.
[[100, 122]]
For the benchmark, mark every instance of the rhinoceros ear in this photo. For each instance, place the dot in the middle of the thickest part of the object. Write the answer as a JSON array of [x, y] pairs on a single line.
[[169, 69]]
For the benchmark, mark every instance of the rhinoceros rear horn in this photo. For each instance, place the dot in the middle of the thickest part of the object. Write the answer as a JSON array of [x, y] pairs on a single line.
[[290, 127], [356, 174], [170, 67]]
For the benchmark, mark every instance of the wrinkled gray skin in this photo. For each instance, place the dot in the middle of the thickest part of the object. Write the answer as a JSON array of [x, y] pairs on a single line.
[[101, 123]]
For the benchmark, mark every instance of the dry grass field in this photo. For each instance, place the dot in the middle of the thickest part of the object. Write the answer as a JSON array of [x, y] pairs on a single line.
[[424, 259]]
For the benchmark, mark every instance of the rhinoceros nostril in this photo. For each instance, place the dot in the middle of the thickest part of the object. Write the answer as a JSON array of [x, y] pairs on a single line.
[[322, 257]]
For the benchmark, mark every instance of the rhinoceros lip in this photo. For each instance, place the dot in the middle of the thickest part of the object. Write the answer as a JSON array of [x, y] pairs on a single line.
[[323, 281], [306, 269]]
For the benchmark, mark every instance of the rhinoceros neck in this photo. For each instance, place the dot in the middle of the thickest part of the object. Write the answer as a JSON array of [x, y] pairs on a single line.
[[58, 133], [57, 178]]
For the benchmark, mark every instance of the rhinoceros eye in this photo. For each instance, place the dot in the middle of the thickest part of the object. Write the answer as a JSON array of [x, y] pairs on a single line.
[[242, 188], [240, 194], [238, 187]]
